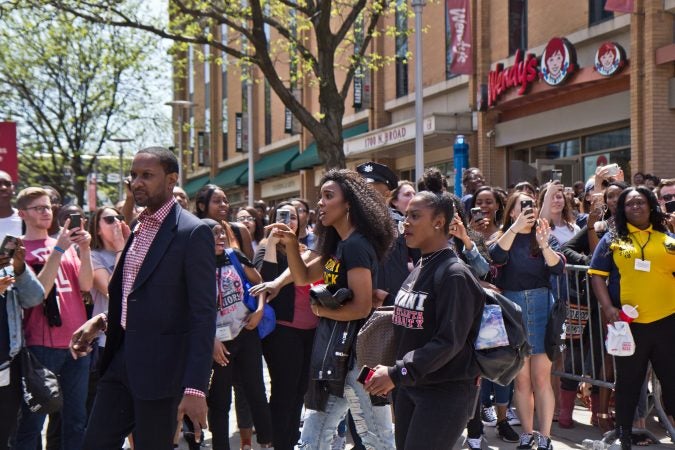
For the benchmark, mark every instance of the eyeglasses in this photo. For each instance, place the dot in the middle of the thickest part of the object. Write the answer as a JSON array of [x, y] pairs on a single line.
[[111, 219], [301, 210], [636, 204], [41, 208], [245, 219], [668, 197]]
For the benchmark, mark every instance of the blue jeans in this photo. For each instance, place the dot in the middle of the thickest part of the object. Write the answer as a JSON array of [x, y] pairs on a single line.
[[373, 423], [536, 305], [502, 393], [73, 378]]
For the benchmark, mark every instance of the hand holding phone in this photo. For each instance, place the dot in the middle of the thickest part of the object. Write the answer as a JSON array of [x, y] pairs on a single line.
[[477, 214], [283, 216], [527, 207], [365, 374], [8, 246], [75, 221]]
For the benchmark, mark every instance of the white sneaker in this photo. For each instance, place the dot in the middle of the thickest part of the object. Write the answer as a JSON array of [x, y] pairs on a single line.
[[475, 444], [512, 417], [489, 417]]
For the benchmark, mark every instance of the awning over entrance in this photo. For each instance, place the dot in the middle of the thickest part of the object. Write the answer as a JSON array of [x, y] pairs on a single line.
[[227, 178], [193, 186], [310, 157], [271, 165]]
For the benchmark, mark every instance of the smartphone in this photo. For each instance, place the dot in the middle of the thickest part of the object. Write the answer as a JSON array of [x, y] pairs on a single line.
[[569, 190], [527, 206], [556, 175], [670, 207], [477, 214], [365, 374], [283, 216], [612, 170], [9, 245], [75, 221]]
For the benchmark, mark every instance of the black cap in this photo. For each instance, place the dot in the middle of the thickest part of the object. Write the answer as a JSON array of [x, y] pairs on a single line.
[[378, 173]]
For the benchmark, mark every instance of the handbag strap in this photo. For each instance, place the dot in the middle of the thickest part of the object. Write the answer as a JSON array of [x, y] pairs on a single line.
[[249, 301]]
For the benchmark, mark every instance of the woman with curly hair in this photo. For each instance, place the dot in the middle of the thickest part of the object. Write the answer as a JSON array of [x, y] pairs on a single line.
[[634, 265], [354, 232]]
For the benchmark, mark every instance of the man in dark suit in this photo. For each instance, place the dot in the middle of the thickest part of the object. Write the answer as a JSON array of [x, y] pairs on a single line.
[[161, 319]]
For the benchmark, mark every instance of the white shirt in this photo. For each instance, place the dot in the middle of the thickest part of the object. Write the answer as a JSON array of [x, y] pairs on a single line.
[[10, 225]]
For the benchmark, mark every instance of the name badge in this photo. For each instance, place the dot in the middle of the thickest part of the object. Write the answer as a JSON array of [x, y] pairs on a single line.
[[643, 265], [4, 377], [223, 333]]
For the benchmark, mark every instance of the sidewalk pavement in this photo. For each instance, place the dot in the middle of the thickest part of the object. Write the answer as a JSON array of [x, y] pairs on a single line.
[[562, 439]]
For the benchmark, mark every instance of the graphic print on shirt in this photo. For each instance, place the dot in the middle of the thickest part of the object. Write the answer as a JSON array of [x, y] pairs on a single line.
[[230, 290], [331, 271], [409, 309], [62, 283]]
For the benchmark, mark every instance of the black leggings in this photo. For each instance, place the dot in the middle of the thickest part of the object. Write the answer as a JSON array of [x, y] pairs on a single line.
[[245, 358], [653, 343], [422, 414], [287, 353]]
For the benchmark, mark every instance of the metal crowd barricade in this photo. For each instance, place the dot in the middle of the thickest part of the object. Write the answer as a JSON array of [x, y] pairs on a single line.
[[585, 344]]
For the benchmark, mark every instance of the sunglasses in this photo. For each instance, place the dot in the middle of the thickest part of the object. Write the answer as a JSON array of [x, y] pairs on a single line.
[[111, 219], [668, 197]]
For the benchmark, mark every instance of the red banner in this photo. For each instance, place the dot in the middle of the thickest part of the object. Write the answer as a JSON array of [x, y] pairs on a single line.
[[459, 52], [625, 6], [8, 157]]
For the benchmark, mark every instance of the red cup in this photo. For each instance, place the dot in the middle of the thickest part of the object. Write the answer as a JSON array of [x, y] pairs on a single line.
[[628, 313]]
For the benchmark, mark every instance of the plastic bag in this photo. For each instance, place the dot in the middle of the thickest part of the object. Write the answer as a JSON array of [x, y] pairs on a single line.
[[492, 332], [619, 340]]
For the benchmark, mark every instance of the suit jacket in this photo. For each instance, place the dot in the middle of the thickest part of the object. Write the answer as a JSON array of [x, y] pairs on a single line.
[[171, 311]]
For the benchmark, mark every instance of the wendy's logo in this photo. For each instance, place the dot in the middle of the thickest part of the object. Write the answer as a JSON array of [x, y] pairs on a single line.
[[609, 59], [558, 61]]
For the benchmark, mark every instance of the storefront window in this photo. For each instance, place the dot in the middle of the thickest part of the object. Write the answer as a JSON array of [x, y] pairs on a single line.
[[607, 140], [555, 150]]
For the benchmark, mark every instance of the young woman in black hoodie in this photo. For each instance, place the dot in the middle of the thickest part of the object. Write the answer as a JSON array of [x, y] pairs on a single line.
[[437, 312]]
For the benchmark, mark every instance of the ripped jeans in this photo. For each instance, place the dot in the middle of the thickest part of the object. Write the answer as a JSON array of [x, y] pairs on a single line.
[[373, 423]]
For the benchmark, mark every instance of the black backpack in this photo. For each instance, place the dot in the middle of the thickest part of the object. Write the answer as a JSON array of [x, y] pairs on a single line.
[[500, 364]]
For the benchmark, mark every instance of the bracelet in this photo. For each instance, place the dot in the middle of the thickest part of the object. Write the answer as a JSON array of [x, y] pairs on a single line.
[[59, 249], [511, 230]]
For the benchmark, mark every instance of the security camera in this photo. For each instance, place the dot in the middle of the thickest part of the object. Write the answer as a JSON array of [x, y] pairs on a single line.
[[490, 134]]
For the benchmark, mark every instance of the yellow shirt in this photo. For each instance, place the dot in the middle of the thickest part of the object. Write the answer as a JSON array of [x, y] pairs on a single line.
[[653, 290]]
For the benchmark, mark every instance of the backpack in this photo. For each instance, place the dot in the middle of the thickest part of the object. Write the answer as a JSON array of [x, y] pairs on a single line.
[[500, 364]]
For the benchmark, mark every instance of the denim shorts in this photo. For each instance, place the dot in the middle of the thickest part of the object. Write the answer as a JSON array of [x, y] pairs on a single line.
[[536, 305]]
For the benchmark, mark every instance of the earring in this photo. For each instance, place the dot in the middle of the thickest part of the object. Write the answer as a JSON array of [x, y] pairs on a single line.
[[437, 227]]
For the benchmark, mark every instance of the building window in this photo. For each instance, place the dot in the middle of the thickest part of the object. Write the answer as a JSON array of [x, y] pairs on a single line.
[[190, 72], [401, 18], [517, 25], [597, 13], [203, 149], [268, 114]]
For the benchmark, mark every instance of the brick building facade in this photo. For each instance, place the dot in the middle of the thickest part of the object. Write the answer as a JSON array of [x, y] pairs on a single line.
[[562, 130]]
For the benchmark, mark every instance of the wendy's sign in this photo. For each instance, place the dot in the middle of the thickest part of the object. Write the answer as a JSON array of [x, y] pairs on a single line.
[[558, 61], [609, 59], [522, 73]]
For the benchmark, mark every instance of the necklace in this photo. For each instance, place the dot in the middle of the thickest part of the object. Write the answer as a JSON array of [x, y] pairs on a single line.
[[424, 260]]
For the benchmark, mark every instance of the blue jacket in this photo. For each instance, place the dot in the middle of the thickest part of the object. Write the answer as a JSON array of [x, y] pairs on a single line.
[[25, 293]]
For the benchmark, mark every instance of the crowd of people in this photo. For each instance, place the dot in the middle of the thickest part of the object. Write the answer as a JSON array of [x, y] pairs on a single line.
[[154, 311]]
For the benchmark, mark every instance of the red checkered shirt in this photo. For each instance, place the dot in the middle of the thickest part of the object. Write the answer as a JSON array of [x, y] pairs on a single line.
[[144, 234]]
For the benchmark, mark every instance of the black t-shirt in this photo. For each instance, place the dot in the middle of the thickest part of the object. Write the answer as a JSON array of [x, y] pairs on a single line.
[[4, 330], [435, 319], [355, 251]]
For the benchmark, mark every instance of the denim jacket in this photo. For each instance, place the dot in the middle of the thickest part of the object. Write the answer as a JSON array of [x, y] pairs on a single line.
[[26, 292]]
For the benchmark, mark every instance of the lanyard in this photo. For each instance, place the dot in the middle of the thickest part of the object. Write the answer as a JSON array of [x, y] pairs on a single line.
[[220, 290], [642, 247]]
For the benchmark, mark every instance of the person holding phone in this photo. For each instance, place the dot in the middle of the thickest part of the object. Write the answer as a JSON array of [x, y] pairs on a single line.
[[487, 207], [296, 324], [64, 275], [354, 232], [665, 192], [19, 288], [436, 317], [526, 257]]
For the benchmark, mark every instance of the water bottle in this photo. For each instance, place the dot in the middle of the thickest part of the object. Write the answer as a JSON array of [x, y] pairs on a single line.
[[587, 444]]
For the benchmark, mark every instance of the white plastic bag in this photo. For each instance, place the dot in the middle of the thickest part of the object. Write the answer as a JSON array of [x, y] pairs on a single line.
[[619, 339]]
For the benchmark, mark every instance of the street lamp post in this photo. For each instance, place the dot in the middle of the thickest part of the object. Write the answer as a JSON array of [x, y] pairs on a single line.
[[121, 141], [181, 105], [418, 5]]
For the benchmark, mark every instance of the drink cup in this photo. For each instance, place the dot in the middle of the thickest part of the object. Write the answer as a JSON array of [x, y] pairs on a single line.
[[628, 313]]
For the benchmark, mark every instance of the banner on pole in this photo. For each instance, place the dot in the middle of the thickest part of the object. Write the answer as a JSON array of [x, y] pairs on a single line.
[[9, 161], [459, 51]]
